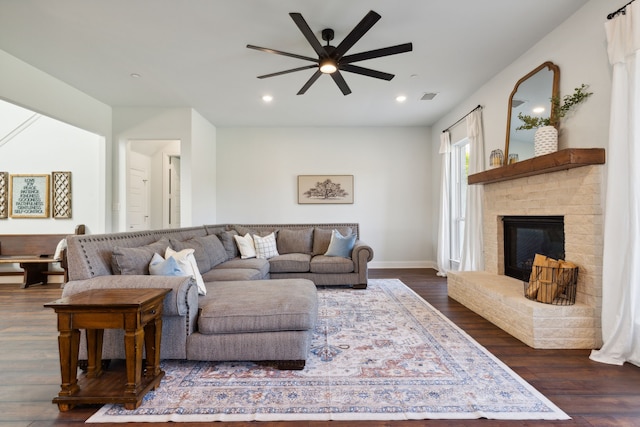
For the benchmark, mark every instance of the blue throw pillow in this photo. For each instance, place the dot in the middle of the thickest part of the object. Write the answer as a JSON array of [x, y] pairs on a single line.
[[341, 245], [165, 267]]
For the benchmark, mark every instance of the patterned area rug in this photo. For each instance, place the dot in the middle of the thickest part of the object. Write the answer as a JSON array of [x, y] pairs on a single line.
[[382, 353]]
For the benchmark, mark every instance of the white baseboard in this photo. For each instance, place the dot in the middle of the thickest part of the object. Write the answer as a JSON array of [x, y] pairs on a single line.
[[403, 264]]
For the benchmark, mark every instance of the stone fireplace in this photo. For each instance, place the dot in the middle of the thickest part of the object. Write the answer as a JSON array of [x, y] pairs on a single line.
[[573, 193]]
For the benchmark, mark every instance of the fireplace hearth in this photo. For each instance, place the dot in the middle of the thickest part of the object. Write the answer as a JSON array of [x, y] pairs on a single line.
[[526, 236]]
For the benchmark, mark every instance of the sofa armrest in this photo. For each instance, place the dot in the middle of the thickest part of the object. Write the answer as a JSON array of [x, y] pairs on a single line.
[[361, 255], [176, 303]]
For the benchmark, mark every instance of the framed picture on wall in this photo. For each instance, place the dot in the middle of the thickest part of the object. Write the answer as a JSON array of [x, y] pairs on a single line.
[[29, 196], [321, 189]]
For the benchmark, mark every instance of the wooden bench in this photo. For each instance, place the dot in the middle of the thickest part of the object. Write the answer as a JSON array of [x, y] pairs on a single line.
[[34, 253]]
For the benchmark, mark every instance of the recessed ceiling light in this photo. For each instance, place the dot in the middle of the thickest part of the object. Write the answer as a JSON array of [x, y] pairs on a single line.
[[401, 98], [538, 110], [135, 75], [267, 98]]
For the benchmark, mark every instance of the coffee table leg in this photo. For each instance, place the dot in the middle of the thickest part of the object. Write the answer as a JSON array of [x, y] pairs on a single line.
[[152, 338], [133, 345], [94, 352], [68, 344]]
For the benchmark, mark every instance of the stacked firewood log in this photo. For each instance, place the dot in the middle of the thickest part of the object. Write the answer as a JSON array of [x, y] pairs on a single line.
[[549, 278]]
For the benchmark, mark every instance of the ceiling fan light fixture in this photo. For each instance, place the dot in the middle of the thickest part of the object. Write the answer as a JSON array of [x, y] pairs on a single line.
[[328, 66]]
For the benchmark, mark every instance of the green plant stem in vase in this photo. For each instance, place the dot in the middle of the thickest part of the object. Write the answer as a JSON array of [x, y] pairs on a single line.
[[559, 109]]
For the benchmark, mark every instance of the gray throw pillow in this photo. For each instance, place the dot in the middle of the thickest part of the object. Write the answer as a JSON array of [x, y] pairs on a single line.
[[229, 244], [199, 251], [295, 241], [129, 261], [322, 238], [214, 248]]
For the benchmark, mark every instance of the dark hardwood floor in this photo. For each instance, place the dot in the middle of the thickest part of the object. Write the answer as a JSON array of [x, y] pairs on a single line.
[[593, 394]]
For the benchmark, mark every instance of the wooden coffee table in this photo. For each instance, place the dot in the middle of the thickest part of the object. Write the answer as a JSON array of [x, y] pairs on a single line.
[[139, 313]]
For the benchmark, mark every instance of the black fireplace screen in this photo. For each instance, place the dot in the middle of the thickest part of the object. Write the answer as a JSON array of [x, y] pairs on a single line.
[[525, 236]]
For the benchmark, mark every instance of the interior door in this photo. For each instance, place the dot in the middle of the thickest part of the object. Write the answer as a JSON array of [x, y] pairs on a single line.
[[137, 200]]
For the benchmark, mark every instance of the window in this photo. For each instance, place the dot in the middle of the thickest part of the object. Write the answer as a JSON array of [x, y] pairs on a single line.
[[459, 173]]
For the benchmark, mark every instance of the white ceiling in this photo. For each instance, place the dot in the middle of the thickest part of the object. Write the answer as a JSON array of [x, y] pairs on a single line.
[[192, 53]]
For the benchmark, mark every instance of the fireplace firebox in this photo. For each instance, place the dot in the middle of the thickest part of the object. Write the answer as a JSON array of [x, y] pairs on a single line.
[[525, 236]]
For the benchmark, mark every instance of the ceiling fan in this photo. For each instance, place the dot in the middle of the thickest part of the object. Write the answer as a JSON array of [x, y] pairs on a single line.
[[332, 59]]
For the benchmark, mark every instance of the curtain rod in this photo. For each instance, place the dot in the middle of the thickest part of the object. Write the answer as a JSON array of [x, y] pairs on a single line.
[[622, 10], [463, 117]]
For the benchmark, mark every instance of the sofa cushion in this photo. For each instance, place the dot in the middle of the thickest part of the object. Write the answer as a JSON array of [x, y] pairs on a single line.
[[214, 248], [136, 260], [232, 274], [341, 246], [295, 241], [258, 306], [259, 264], [322, 238], [290, 263], [331, 264], [199, 252], [229, 243], [265, 246]]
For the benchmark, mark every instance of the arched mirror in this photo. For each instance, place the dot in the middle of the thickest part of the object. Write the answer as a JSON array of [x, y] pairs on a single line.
[[531, 96]]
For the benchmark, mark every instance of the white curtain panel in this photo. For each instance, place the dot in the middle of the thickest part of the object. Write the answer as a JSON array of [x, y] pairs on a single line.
[[621, 256], [472, 257], [444, 221]]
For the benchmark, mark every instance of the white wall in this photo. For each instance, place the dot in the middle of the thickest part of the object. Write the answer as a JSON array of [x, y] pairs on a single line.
[[197, 156], [49, 145], [25, 86], [202, 166], [257, 182], [578, 47]]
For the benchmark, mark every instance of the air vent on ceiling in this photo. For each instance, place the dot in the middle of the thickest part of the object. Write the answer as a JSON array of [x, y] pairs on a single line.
[[428, 96], [515, 103]]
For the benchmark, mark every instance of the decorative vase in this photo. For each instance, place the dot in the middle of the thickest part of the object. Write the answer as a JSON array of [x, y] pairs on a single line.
[[545, 140]]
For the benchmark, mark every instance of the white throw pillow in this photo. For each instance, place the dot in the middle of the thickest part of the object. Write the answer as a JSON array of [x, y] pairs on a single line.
[[265, 246], [245, 246], [187, 262]]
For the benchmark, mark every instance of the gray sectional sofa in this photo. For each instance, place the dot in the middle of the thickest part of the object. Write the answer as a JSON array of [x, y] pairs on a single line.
[[236, 309]]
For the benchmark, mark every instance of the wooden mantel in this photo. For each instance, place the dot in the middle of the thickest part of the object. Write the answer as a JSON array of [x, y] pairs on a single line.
[[560, 160]]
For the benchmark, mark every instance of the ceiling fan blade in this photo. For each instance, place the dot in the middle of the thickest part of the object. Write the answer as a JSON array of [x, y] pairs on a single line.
[[366, 72], [356, 34], [377, 53], [309, 82], [342, 84], [293, 70], [308, 34], [279, 52]]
